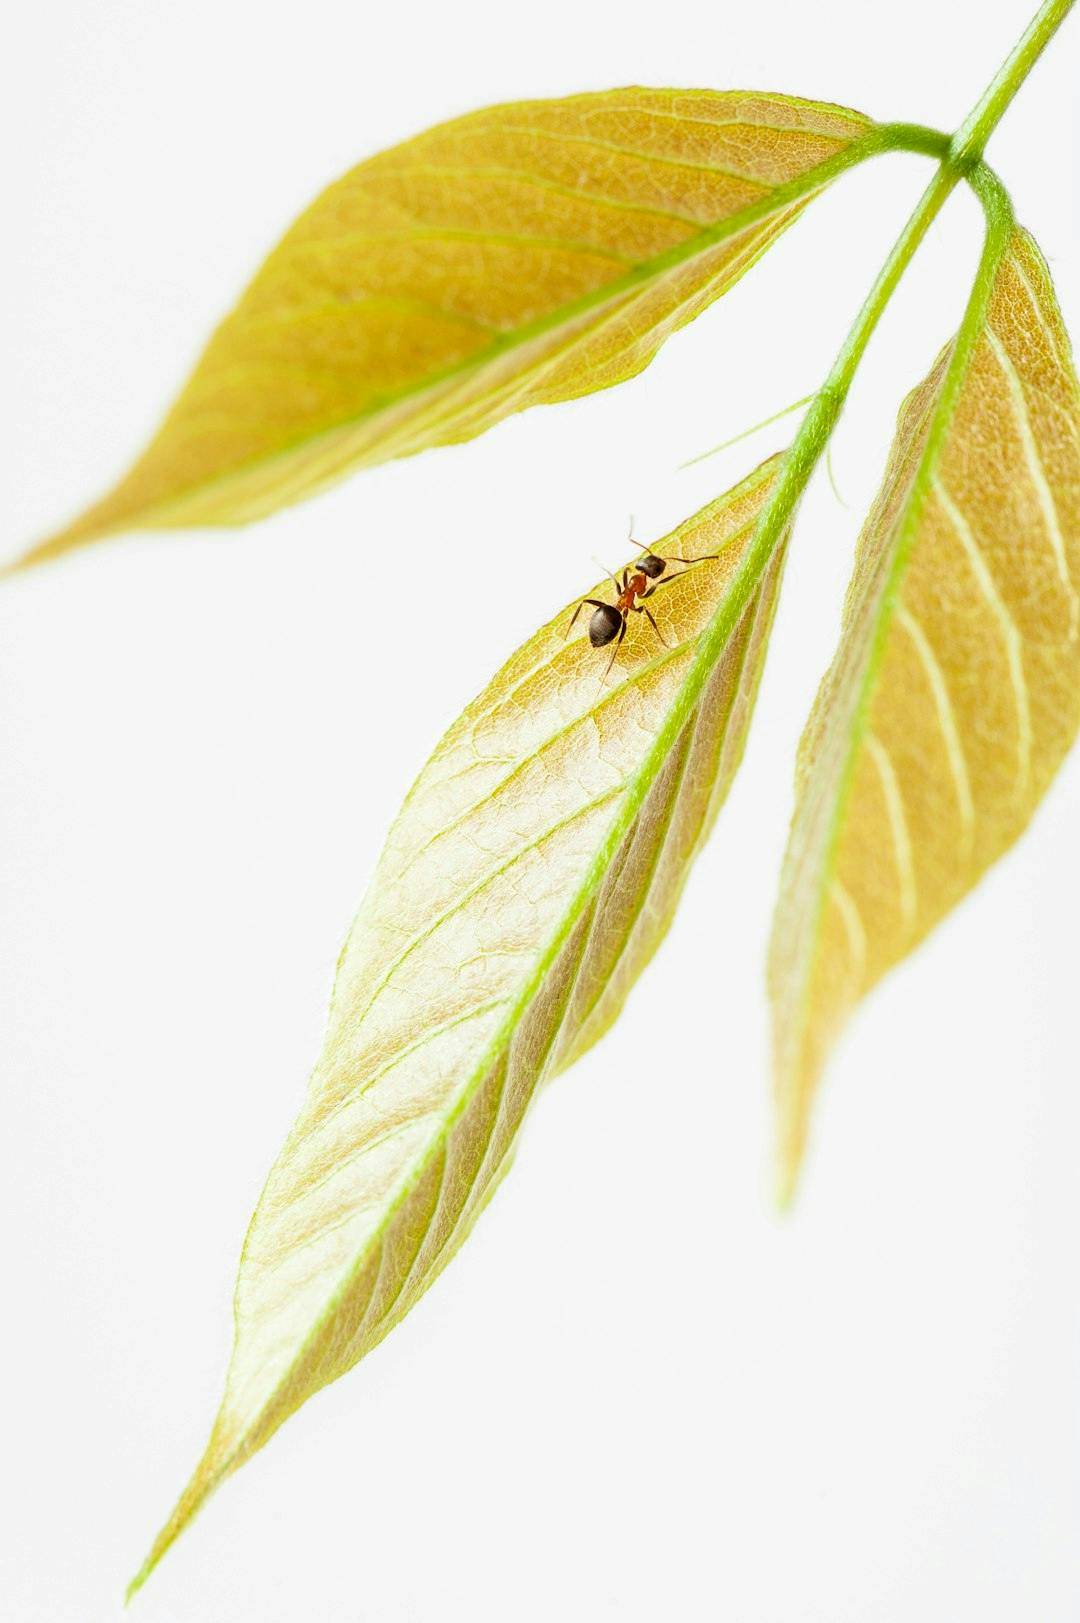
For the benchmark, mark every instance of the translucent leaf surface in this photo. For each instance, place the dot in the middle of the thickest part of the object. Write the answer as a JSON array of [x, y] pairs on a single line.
[[523, 254], [955, 692], [531, 873]]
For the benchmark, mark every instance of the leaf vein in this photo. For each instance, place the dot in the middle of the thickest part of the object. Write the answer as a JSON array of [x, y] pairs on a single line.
[[523, 762], [946, 717], [894, 805], [1038, 477], [406, 1052], [357, 302], [854, 930], [751, 126], [423, 232], [648, 879], [408, 1272], [543, 183], [477, 889], [1049, 332], [563, 138], [1009, 630]]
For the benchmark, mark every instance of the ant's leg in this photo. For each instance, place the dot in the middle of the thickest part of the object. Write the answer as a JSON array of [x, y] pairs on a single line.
[[573, 617], [614, 651], [655, 587], [654, 625], [594, 602]]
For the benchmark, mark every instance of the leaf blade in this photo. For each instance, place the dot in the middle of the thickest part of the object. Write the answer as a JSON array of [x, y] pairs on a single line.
[[955, 691], [530, 863], [518, 256]]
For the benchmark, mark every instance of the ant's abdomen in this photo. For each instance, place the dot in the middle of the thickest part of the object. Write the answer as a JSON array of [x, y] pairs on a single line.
[[604, 624]]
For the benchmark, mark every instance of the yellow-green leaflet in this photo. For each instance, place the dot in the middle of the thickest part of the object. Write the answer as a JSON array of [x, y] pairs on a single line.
[[523, 254], [529, 877], [955, 692]]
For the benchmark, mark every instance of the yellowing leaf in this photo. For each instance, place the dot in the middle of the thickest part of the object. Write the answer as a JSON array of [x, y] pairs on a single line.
[[955, 692], [523, 254], [530, 875]]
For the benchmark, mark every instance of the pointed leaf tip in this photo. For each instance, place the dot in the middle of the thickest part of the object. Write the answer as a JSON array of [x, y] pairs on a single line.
[[217, 1463]]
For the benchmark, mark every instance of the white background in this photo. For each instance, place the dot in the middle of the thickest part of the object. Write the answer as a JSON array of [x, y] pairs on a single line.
[[638, 1393]]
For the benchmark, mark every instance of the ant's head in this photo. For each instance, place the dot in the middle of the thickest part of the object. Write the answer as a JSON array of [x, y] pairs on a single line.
[[652, 566], [604, 624]]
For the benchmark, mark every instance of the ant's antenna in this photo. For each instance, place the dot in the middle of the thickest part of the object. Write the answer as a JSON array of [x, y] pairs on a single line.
[[641, 551]]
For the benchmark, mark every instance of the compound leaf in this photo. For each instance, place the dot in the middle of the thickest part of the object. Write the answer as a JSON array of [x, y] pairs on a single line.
[[523, 254], [529, 877], [955, 691]]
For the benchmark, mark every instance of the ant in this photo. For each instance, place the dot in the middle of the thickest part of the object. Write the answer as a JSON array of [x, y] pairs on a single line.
[[639, 580]]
